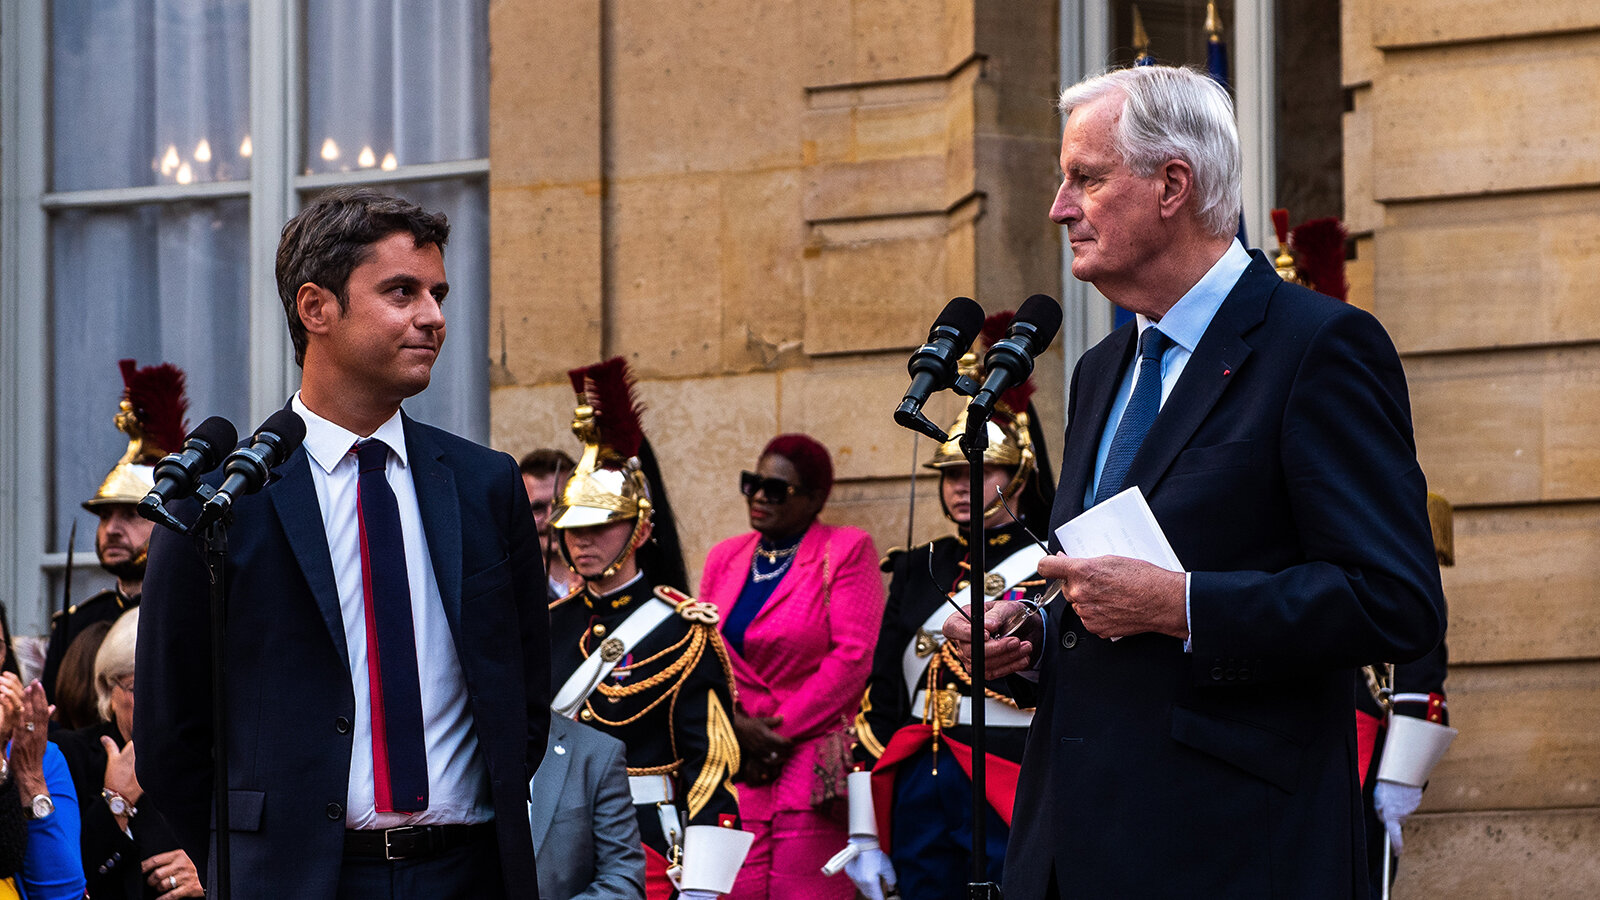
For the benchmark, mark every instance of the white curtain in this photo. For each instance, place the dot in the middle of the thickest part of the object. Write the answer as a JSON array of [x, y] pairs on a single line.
[[153, 92]]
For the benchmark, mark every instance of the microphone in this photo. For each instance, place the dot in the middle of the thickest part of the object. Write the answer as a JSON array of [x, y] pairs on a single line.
[[178, 474], [1010, 361], [933, 365], [246, 468]]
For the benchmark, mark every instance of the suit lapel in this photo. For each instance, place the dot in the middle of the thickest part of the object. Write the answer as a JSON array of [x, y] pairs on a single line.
[[1101, 372], [441, 516], [294, 497], [1215, 364], [542, 806]]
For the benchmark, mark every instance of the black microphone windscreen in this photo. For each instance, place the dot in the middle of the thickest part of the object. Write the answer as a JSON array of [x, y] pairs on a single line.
[[1044, 314], [965, 316], [218, 432], [289, 427]]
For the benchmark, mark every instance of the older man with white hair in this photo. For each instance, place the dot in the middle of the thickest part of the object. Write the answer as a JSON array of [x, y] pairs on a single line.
[[1193, 735]]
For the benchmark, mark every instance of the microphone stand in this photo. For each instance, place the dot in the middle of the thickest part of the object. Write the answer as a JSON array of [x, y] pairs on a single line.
[[974, 442], [215, 540], [216, 552]]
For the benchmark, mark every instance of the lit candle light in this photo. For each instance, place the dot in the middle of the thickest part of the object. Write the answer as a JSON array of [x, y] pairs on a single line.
[[185, 174], [246, 148], [389, 162], [367, 158], [169, 160], [202, 151], [330, 150]]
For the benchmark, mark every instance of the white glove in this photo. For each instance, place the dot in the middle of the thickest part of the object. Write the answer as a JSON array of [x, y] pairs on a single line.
[[1393, 803], [693, 894], [869, 866]]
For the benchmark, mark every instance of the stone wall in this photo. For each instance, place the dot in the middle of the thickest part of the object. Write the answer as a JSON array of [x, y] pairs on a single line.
[[762, 205], [1472, 179]]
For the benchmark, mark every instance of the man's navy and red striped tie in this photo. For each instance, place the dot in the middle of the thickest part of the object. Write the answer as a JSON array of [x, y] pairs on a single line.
[[399, 758]]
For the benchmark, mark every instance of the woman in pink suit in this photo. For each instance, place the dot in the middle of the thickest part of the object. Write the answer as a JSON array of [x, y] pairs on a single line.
[[800, 602]]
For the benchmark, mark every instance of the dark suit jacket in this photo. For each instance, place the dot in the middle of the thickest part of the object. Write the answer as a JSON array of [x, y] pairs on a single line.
[[289, 702], [584, 828], [1283, 472]]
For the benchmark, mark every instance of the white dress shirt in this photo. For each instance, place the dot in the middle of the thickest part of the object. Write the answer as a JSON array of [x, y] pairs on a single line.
[[458, 784]]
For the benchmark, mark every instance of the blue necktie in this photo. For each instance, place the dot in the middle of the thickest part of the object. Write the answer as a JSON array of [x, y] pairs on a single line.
[[1136, 417], [399, 756]]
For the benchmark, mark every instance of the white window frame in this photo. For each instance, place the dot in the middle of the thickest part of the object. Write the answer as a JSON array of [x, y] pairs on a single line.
[[1085, 48], [273, 191]]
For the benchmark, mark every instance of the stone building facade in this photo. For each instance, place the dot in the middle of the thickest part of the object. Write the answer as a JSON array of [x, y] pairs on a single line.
[[1472, 162], [763, 205]]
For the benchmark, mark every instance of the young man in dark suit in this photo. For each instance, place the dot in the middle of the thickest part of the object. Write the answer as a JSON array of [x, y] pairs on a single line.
[[1193, 735], [387, 647]]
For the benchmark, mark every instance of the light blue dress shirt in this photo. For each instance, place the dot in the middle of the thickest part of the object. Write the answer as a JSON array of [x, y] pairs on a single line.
[[1184, 324]]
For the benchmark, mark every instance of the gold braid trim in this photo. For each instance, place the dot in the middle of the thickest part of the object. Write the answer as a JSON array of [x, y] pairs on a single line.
[[864, 731], [696, 641], [653, 680], [668, 769], [722, 757], [952, 662]]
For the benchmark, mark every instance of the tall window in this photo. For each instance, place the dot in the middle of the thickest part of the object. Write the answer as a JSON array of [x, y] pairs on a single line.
[[152, 151]]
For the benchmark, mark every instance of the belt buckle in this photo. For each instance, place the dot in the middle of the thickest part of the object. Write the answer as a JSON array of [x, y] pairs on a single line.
[[389, 853]]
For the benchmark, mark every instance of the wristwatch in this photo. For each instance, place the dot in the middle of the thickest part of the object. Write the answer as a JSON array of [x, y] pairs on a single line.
[[41, 806], [118, 804]]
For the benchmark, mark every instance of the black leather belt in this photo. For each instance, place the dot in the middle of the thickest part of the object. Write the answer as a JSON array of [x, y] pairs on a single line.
[[413, 841]]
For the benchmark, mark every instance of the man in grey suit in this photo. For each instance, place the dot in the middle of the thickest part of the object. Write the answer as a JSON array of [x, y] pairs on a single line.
[[582, 812]]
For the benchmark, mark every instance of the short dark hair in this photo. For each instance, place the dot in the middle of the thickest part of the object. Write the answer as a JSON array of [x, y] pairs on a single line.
[[546, 461], [334, 234], [810, 458]]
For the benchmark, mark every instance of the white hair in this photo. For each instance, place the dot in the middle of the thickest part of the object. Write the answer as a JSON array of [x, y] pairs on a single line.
[[1175, 113], [115, 659]]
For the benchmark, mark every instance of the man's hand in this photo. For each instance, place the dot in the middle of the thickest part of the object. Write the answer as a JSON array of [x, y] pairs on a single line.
[[1004, 655], [1116, 596], [762, 751]]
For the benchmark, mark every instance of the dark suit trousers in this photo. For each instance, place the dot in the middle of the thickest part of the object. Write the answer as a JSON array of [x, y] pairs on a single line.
[[465, 873]]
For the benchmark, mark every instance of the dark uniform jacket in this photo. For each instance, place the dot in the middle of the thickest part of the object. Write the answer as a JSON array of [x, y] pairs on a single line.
[[922, 578], [670, 701], [67, 624]]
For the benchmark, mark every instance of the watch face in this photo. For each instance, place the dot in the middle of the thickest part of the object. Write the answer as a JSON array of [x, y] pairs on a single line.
[[118, 805], [43, 806]]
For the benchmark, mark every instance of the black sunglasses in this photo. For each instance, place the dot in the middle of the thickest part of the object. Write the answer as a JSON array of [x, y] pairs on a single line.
[[776, 490]]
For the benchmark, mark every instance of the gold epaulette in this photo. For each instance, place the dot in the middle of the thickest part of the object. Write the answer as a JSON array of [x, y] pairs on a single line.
[[73, 609], [689, 608], [886, 564], [573, 593]]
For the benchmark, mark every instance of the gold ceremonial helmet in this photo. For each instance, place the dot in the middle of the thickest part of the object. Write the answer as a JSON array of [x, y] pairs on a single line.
[[1009, 445], [608, 484], [151, 415]]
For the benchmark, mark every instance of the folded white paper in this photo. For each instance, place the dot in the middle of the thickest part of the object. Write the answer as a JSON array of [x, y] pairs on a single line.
[[1120, 526]]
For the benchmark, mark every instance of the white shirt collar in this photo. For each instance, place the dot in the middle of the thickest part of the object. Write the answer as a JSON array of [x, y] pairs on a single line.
[[1186, 322], [328, 443]]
